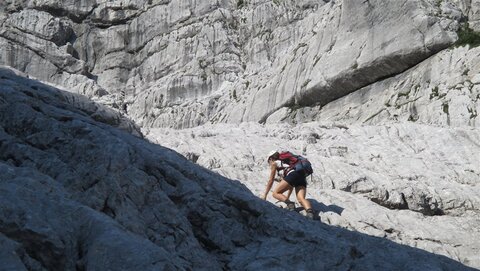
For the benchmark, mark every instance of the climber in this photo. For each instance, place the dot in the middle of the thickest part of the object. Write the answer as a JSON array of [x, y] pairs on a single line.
[[294, 170]]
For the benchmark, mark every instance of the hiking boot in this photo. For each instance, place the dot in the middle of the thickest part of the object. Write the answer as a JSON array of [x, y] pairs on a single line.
[[310, 214], [290, 205]]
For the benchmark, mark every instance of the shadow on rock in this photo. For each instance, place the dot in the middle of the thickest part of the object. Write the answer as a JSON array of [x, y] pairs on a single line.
[[320, 207]]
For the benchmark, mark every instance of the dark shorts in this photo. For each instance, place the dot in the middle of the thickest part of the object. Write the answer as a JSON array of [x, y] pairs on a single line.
[[296, 178]]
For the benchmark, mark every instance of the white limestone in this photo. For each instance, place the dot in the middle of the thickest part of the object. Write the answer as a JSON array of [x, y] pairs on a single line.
[[232, 60]]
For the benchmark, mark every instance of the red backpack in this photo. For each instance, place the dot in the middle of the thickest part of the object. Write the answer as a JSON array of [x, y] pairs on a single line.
[[296, 162]]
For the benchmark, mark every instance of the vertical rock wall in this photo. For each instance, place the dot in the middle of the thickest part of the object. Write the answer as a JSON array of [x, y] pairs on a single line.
[[185, 63]]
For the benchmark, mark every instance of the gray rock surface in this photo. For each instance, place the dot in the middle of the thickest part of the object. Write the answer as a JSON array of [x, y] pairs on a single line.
[[441, 91], [351, 44], [10, 257], [182, 64], [79, 194]]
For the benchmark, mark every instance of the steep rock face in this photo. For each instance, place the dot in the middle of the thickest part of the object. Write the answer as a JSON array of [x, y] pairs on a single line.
[[441, 91], [470, 9], [183, 63], [94, 168], [39, 44], [351, 44], [79, 194]]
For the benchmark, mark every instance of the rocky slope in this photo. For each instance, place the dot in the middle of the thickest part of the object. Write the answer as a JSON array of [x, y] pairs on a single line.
[[78, 194], [412, 183]]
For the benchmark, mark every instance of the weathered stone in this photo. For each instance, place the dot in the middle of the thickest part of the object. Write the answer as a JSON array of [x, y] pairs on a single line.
[[41, 24], [8, 253], [440, 91], [181, 64]]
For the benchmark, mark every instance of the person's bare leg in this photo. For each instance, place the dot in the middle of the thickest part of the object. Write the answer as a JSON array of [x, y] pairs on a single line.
[[280, 189], [289, 192], [301, 192]]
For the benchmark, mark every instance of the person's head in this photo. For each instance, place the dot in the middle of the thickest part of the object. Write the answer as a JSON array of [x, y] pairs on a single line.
[[272, 156]]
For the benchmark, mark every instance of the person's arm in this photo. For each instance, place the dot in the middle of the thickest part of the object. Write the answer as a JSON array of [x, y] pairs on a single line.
[[273, 171]]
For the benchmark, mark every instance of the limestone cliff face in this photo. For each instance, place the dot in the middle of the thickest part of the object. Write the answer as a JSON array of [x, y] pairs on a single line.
[[443, 90], [185, 63]]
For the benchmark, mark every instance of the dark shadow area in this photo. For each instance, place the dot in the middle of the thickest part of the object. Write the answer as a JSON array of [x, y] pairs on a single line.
[[320, 207], [254, 215]]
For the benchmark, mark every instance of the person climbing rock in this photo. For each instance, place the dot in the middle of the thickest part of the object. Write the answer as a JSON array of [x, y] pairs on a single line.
[[294, 169]]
